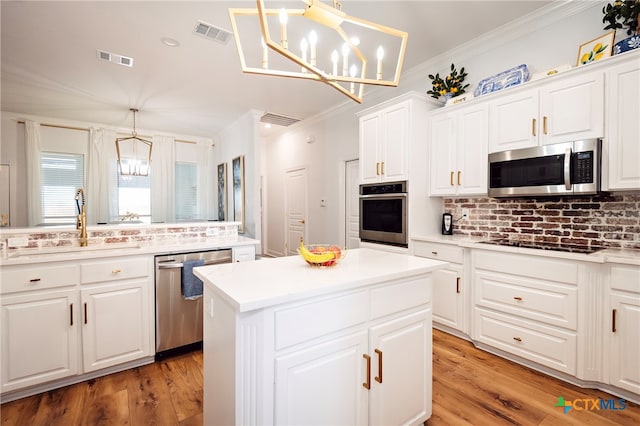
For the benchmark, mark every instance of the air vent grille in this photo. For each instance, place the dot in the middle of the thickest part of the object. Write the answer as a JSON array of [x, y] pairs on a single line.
[[212, 32], [113, 58], [278, 120]]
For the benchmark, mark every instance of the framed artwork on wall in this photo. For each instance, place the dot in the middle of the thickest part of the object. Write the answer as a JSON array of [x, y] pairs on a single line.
[[222, 191], [596, 49], [237, 170]]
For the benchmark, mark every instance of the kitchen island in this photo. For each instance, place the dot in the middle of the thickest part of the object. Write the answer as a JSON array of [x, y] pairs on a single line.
[[286, 343]]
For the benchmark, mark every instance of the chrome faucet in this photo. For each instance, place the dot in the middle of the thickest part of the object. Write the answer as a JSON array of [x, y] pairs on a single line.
[[81, 223]]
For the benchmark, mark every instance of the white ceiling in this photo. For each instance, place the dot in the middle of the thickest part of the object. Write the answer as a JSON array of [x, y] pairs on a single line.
[[50, 67]]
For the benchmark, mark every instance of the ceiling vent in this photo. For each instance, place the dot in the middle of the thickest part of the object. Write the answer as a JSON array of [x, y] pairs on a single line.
[[212, 32], [116, 59], [278, 120]]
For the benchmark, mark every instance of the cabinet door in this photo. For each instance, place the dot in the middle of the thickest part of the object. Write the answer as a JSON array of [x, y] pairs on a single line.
[[572, 109], [244, 253], [115, 324], [370, 127], [395, 143], [625, 342], [401, 370], [623, 128], [323, 384], [39, 338], [443, 154], [514, 121], [448, 299], [473, 144]]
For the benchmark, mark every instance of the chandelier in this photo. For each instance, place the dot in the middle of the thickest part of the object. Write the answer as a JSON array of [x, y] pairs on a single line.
[[321, 43], [134, 153]]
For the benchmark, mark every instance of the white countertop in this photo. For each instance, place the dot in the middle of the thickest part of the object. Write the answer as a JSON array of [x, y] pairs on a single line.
[[268, 282], [57, 254], [625, 256]]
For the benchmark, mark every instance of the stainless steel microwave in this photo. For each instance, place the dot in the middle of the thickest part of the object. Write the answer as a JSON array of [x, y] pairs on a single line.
[[572, 168]]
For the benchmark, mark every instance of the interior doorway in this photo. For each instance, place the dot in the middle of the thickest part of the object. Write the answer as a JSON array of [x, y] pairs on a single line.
[[295, 199], [352, 204]]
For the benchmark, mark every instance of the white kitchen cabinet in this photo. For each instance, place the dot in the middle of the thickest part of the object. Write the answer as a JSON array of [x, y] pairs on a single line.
[[562, 109], [621, 147], [624, 327], [40, 337], [451, 295], [459, 143], [243, 253]]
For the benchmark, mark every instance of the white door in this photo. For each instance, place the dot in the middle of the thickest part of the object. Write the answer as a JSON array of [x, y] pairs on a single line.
[[4, 194], [625, 342], [295, 209], [352, 204]]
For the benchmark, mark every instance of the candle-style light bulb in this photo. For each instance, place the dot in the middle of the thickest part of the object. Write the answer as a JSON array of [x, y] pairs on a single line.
[[345, 59], [380, 55], [283, 28], [334, 60], [265, 54], [313, 39], [303, 48], [352, 73]]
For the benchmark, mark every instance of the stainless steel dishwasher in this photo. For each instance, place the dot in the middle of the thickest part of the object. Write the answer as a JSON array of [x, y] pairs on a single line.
[[178, 320]]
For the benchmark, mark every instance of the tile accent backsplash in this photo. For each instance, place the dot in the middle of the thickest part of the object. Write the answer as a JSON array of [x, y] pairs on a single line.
[[606, 220]]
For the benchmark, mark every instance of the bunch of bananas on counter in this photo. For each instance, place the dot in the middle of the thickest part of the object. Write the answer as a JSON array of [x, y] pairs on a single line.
[[320, 255]]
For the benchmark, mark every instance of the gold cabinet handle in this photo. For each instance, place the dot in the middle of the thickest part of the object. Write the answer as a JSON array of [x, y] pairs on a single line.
[[451, 178], [518, 298], [367, 384], [378, 378], [458, 285], [377, 169], [382, 168], [85, 313], [533, 126], [517, 339], [459, 175], [116, 271], [613, 320], [544, 124]]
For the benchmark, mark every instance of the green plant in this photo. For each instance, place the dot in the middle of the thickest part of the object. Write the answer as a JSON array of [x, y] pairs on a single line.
[[452, 83], [622, 14]]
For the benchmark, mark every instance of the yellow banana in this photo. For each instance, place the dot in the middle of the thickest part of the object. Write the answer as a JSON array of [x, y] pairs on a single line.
[[314, 257]]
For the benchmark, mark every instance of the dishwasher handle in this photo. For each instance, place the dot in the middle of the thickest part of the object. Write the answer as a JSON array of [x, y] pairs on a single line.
[[172, 265]]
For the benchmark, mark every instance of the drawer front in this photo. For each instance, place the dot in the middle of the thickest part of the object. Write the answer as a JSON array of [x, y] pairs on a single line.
[[396, 297], [625, 278], [33, 277], [444, 252], [545, 345], [550, 303], [114, 269], [308, 321]]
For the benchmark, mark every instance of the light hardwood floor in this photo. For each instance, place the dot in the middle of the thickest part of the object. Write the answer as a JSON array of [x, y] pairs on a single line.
[[470, 387]]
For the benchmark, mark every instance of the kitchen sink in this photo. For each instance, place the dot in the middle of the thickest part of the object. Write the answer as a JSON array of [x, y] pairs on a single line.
[[35, 253]]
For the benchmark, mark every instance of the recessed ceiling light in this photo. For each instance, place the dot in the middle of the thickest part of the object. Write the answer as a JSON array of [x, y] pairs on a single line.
[[170, 42]]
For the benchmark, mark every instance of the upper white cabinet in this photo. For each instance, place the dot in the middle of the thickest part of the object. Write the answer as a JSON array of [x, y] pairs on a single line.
[[459, 143], [564, 109], [621, 145]]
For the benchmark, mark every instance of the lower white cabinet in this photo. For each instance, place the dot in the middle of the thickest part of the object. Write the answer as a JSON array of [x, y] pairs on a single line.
[[243, 253], [39, 337], [624, 327]]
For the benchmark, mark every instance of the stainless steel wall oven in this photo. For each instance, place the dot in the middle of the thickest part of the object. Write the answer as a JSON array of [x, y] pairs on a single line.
[[383, 213]]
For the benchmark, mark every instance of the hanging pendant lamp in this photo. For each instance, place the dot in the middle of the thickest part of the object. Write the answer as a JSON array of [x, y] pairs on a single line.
[[134, 153]]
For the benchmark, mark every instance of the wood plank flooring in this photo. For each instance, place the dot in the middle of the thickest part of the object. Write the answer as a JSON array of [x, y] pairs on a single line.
[[470, 387]]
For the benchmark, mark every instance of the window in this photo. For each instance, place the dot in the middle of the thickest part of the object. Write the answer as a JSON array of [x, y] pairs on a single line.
[[62, 175], [134, 198], [186, 191]]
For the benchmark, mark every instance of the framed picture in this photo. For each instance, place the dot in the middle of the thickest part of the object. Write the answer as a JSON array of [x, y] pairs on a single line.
[[596, 49], [237, 170], [222, 191]]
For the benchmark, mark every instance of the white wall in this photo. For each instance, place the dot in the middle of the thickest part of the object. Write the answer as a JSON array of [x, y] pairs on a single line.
[[542, 40]]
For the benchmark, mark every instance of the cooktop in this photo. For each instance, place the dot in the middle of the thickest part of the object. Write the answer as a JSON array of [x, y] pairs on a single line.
[[540, 245]]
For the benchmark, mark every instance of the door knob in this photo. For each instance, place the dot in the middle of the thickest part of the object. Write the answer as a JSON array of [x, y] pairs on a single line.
[[302, 221]]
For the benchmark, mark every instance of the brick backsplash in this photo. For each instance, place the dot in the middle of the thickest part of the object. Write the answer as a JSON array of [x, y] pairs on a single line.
[[607, 220]]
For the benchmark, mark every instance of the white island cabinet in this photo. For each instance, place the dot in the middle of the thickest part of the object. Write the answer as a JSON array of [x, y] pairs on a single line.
[[285, 343]]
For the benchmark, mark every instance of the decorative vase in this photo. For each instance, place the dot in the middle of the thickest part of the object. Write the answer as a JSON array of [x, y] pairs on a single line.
[[627, 44]]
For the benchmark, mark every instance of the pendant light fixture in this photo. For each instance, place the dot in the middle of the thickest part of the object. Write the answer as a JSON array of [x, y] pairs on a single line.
[[134, 153], [315, 40]]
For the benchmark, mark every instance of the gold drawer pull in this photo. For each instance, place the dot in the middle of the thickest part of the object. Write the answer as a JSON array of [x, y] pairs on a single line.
[[451, 179], [459, 174], [34, 280], [367, 384], [377, 169], [518, 298], [378, 378], [544, 124], [116, 271], [382, 168], [517, 339], [533, 127]]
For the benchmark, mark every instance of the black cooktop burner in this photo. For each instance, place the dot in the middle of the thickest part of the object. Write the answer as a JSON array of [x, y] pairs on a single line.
[[543, 246]]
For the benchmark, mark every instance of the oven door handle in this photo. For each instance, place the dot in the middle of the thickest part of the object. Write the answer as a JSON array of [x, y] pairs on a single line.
[[396, 195], [174, 265], [567, 169]]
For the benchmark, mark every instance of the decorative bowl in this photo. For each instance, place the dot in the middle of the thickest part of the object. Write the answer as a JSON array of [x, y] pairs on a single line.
[[312, 254]]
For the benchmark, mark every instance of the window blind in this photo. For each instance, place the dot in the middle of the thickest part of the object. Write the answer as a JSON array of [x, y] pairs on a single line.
[[62, 175], [186, 191]]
